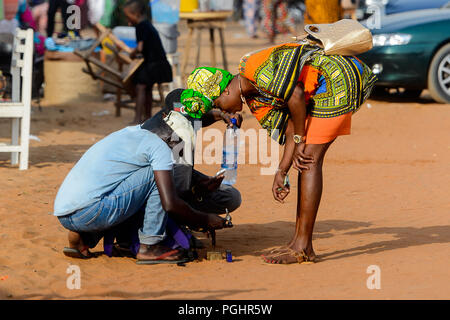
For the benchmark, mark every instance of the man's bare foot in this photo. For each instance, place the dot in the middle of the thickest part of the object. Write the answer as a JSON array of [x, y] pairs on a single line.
[[75, 242], [159, 252]]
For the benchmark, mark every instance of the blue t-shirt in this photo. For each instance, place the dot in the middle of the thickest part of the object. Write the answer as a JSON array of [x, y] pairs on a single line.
[[107, 163]]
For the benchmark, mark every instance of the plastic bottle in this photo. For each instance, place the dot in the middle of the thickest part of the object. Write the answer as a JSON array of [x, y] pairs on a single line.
[[230, 153]]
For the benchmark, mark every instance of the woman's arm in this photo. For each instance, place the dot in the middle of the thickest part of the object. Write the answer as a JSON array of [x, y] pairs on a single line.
[[279, 190], [297, 108]]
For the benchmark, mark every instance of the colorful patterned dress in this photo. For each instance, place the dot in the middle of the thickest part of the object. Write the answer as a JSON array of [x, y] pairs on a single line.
[[334, 86]]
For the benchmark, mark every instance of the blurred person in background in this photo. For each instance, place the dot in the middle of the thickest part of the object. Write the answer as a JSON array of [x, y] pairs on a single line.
[[63, 5], [277, 19], [39, 9], [251, 16], [323, 11]]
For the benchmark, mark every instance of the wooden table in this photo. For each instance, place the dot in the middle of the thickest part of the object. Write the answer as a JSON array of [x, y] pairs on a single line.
[[210, 20]]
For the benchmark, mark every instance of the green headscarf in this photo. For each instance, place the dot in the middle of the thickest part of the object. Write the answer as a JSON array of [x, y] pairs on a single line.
[[203, 86]]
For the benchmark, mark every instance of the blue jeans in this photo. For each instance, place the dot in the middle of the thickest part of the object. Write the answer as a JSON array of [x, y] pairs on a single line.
[[138, 191]]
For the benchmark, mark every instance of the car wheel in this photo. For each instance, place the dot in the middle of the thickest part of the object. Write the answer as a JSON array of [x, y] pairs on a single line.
[[439, 75]]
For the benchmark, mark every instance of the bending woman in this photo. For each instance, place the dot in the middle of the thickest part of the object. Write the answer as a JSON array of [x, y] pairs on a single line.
[[305, 100]]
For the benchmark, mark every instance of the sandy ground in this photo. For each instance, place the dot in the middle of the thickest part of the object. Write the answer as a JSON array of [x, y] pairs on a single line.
[[385, 203]]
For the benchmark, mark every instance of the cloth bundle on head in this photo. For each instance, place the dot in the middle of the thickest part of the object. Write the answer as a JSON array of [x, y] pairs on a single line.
[[203, 86]]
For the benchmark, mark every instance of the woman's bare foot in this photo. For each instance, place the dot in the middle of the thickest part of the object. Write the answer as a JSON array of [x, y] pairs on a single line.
[[288, 255]]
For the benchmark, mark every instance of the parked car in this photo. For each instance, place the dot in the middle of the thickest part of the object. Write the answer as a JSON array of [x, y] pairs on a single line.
[[412, 51], [365, 7]]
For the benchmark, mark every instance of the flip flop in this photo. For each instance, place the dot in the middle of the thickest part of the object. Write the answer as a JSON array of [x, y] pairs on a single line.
[[161, 259], [75, 253]]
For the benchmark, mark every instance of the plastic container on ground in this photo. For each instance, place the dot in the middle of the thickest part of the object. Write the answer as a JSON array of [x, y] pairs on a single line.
[[221, 5], [230, 154], [126, 34], [165, 11], [169, 36]]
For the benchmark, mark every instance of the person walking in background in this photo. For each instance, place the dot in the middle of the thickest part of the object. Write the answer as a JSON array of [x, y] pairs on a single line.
[[277, 19], [251, 16], [39, 9], [53, 7]]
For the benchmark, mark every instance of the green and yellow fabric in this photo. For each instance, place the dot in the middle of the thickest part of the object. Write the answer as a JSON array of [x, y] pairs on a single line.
[[204, 85]]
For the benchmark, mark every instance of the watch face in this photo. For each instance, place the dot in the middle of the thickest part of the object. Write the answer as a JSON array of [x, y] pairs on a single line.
[[297, 139]]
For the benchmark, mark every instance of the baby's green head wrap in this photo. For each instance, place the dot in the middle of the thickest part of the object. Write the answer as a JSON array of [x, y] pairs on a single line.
[[203, 86]]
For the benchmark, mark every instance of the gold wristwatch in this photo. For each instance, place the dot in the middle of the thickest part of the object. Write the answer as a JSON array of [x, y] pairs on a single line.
[[298, 139]]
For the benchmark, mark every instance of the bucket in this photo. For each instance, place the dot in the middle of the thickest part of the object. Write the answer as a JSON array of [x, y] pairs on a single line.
[[127, 35], [165, 11], [188, 5], [221, 5], [169, 36]]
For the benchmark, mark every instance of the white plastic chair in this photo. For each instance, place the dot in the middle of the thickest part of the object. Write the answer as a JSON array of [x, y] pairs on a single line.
[[20, 108]]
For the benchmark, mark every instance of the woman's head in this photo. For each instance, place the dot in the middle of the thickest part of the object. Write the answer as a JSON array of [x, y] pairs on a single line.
[[230, 99], [208, 88]]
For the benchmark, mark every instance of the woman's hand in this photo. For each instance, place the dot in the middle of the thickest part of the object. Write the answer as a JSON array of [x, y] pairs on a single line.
[[228, 116], [279, 189], [300, 160]]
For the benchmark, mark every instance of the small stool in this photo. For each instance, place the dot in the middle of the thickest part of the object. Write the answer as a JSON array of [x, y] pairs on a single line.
[[210, 21]]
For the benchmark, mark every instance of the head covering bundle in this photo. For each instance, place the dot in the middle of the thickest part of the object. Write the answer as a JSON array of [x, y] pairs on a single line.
[[203, 86]]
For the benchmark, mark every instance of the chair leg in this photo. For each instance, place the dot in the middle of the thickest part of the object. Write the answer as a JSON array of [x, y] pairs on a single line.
[[15, 140], [25, 139]]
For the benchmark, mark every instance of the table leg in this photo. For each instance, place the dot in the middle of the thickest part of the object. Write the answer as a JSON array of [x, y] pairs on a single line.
[[188, 48], [222, 46], [119, 95], [212, 47], [199, 46]]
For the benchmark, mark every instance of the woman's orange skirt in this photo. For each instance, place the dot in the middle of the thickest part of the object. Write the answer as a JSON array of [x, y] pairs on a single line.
[[324, 130]]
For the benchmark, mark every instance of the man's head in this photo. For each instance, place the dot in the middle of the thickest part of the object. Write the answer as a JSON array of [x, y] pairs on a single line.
[[175, 130], [135, 10]]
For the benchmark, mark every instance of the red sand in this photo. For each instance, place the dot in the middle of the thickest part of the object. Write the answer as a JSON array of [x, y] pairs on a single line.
[[385, 203]]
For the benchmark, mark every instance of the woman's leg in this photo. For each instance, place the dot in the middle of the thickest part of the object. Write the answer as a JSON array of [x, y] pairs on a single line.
[[309, 195], [308, 200]]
